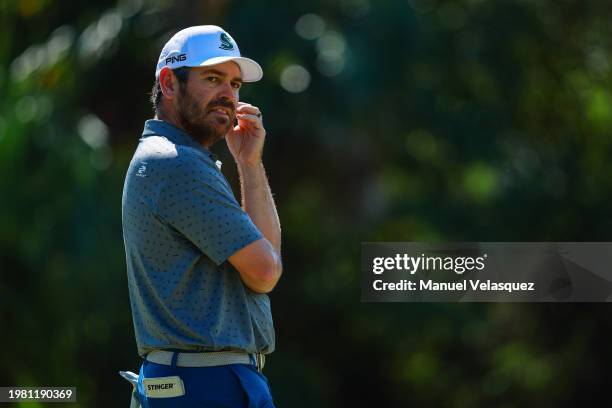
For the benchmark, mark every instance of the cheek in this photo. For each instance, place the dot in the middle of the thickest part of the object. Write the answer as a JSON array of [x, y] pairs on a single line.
[[204, 99], [200, 96], [200, 102]]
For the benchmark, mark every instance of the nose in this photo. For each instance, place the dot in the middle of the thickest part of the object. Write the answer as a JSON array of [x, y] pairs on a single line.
[[228, 92]]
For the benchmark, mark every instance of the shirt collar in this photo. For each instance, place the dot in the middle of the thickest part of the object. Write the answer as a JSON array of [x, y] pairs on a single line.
[[156, 127]]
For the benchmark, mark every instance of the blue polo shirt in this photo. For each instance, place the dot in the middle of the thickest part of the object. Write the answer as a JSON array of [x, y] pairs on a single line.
[[181, 222]]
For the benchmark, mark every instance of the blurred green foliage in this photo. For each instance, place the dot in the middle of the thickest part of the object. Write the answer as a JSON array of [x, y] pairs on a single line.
[[418, 120]]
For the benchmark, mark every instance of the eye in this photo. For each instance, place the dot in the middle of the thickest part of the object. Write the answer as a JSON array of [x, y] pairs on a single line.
[[236, 85], [212, 79]]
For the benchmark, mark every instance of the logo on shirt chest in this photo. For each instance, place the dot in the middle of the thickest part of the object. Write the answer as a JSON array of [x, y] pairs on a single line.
[[142, 169]]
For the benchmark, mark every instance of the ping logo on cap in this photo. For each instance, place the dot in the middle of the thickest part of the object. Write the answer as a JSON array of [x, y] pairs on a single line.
[[178, 58], [226, 43]]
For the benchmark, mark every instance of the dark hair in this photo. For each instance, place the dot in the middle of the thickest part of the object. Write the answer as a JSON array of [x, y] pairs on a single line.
[[182, 74]]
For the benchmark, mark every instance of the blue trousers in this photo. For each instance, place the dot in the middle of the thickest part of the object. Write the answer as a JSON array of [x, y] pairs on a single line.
[[229, 386]]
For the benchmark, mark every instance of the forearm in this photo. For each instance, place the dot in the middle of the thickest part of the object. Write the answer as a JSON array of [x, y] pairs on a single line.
[[258, 202]]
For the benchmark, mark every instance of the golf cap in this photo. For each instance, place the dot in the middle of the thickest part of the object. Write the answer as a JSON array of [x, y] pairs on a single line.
[[202, 46]]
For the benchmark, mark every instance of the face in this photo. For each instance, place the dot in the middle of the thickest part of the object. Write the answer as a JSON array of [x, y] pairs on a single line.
[[206, 104]]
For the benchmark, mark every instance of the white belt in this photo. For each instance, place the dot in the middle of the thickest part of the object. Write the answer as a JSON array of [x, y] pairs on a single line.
[[206, 359]]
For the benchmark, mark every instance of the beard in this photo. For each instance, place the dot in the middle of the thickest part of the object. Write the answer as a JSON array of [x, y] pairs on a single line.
[[198, 122]]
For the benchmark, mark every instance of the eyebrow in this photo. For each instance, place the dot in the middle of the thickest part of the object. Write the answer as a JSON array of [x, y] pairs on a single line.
[[221, 74]]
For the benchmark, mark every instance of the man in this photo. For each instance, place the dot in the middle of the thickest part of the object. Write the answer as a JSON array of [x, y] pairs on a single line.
[[199, 264]]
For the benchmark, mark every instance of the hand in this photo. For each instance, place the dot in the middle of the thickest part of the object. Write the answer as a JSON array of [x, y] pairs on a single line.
[[245, 141]]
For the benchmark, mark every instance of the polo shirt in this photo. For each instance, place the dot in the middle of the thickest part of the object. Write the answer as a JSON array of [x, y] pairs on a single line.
[[181, 222]]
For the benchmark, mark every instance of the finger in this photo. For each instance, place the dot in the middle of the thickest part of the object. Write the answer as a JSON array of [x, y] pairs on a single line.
[[248, 109], [257, 114], [241, 105], [249, 117]]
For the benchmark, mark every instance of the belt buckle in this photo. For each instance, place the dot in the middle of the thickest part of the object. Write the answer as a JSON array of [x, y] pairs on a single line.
[[260, 360]]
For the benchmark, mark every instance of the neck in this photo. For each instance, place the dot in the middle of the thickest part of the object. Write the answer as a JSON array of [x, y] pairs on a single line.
[[171, 118]]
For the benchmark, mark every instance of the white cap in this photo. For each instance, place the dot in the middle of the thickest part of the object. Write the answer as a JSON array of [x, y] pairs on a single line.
[[201, 46]]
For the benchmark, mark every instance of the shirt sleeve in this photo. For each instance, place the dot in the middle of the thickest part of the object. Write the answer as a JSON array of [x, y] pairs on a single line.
[[198, 202]]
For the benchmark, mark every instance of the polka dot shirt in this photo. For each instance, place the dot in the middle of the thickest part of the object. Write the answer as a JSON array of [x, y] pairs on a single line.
[[181, 222]]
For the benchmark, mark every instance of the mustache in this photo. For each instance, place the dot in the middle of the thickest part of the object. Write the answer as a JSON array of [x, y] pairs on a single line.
[[222, 103]]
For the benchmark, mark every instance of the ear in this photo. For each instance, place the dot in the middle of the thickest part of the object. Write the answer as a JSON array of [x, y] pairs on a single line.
[[168, 82]]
